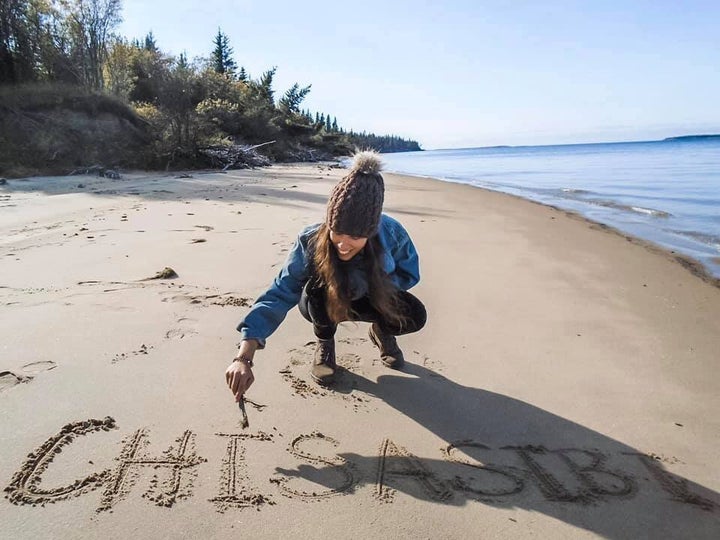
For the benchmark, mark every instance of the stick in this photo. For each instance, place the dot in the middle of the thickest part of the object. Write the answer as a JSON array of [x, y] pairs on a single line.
[[244, 422]]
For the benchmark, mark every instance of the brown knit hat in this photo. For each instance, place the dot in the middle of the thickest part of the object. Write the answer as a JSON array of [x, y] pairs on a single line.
[[356, 201]]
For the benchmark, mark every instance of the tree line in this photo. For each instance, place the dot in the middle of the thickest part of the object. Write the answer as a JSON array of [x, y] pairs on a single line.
[[185, 104]]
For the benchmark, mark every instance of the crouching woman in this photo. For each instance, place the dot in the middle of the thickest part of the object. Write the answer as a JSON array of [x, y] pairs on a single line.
[[355, 266]]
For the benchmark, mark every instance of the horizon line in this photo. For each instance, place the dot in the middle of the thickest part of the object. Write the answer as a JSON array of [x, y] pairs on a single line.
[[666, 139]]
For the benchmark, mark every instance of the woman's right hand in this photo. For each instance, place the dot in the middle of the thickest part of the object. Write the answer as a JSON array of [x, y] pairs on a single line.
[[239, 375]]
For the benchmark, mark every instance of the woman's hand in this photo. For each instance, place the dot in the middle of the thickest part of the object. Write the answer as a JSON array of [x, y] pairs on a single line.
[[239, 375]]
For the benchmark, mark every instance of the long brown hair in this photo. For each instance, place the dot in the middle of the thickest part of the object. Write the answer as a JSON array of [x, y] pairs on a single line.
[[381, 291]]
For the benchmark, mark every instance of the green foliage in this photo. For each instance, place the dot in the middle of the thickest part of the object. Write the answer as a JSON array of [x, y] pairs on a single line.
[[382, 143], [221, 58], [147, 70], [56, 40], [116, 101], [118, 74], [150, 44], [290, 102]]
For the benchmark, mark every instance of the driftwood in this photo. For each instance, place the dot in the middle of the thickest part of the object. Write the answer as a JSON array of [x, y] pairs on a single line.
[[236, 156], [98, 170]]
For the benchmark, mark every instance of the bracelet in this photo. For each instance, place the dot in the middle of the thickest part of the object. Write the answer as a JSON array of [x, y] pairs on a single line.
[[248, 361]]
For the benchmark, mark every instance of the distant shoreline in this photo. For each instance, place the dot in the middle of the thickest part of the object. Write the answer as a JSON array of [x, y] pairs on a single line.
[[692, 137], [680, 138]]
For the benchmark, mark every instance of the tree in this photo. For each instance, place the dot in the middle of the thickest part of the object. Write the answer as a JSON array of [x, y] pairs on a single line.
[[290, 102], [118, 73], [181, 91], [31, 39], [91, 23], [150, 44], [264, 86], [221, 58], [148, 71]]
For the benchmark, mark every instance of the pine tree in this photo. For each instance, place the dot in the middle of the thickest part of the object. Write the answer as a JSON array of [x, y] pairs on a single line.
[[221, 58], [242, 75], [150, 44]]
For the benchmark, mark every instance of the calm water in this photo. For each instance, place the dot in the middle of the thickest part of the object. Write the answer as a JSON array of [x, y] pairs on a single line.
[[666, 192]]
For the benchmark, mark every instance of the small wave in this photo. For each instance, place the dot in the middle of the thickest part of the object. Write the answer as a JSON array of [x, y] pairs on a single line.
[[709, 239], [650, 211], [629, 208], [575, 191]]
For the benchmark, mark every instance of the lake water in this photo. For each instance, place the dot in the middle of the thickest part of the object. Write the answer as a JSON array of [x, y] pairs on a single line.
[[667, 192]]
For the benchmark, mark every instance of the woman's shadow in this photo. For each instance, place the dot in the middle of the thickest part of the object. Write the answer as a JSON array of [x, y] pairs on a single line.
[[506, 453]]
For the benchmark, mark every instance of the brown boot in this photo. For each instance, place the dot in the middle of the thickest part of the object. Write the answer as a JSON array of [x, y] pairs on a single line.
[[390, 353], [324, 366]]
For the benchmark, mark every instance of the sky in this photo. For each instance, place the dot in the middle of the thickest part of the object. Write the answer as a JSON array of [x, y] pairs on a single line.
[[458, 74]]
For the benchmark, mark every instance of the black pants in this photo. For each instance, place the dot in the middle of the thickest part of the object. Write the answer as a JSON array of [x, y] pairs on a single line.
[[312, 307]]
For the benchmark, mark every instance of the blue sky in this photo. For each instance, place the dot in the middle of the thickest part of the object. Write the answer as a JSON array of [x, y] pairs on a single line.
[[471, 73]]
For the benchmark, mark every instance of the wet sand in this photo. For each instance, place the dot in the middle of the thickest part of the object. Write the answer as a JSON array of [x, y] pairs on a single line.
[[565, 385]]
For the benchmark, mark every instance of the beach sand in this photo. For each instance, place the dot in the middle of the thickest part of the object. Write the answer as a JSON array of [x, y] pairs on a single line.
[[566, 384]]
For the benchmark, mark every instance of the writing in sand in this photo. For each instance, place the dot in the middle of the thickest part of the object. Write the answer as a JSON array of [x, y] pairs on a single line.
[[464, 470]]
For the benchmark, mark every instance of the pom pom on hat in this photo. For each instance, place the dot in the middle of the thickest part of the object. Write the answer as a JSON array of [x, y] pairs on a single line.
[[366, 162], [355, 204]]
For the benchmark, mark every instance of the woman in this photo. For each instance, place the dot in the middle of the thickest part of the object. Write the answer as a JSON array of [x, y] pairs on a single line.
[[355, 266]]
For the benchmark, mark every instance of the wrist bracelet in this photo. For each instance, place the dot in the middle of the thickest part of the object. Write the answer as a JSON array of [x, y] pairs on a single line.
[[248, 361]]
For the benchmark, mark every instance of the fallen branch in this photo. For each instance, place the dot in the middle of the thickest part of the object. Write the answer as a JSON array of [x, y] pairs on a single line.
[[236, 156]]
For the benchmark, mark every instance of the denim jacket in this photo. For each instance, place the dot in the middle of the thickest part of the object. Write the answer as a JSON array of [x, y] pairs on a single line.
[[400, 261]]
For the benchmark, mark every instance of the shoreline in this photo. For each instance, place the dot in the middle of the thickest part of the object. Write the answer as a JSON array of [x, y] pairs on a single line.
[[693, 265], [563, 387], [664, 194]]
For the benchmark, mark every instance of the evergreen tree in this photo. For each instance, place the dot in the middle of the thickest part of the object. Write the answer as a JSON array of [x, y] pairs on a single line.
[[221, 57], [290, 102], [150, 43], [264, 86], [242, 75]]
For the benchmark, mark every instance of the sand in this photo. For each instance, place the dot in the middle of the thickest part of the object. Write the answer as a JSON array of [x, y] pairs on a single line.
[[566, 384]]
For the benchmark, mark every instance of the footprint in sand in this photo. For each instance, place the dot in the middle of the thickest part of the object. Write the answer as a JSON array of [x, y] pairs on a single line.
[[179, 333], [8, 379], [205, 300], [353, 340], [345, 387], [432, 365], [37, 367], [143, 350]]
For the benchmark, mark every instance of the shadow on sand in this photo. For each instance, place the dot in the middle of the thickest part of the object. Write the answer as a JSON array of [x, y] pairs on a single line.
[[505, 453]]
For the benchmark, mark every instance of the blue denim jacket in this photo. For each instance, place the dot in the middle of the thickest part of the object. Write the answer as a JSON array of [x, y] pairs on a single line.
[[400, 261]]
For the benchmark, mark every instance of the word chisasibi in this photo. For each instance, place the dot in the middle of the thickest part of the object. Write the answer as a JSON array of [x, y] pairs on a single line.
[[464, 468]]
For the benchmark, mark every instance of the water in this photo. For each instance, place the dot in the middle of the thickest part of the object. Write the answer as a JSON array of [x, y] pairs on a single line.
[[667, 192]]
